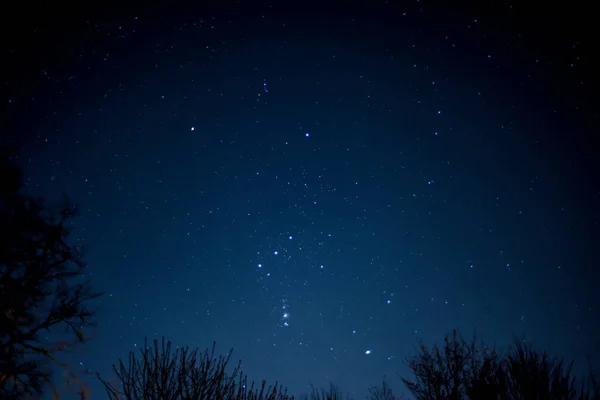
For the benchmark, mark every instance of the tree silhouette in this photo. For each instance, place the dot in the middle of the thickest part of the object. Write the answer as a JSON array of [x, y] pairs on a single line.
[[332, 393], [461, 370], [456, 371], [41, 288], [382, 393], [161, 373], [528, 374]]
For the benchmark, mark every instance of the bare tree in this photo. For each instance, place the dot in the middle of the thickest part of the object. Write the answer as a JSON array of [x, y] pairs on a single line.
[[590, 387], [456, 371], [41, 289], [332, 393], [529, 374], [462, 370], [161, 373], [382, 393]]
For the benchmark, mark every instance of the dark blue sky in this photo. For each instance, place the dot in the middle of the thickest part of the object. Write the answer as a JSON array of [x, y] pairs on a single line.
[[318, 188]]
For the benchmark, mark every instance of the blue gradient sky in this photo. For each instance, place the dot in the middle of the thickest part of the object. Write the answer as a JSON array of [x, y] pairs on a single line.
[[311, 187]]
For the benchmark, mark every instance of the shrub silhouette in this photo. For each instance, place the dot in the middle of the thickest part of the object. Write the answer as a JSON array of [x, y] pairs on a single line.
[[457, 370], [160, 373], [528, 374], [40, 285], [382, 393], [463, 370], [333, 393]]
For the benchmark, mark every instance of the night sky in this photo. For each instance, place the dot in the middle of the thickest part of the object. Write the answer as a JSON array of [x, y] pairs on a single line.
[[318, 187]]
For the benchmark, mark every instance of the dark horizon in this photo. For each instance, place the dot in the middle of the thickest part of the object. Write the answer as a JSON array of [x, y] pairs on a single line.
[[318, 188]]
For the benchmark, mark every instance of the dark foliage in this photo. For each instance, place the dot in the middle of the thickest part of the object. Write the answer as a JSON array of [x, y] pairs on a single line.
[[461, 370], [457, 370], [528, 374], [333, 393], [382, 393], [160, 373], [41, 288]]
